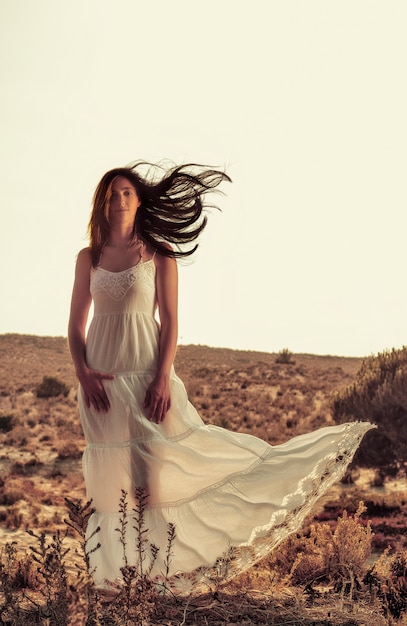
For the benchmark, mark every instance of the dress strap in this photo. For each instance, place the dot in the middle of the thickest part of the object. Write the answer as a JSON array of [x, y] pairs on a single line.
[[100, 258]]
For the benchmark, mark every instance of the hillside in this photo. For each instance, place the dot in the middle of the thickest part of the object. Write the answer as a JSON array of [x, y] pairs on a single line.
[[225, 385], [240, 390], [42, 441]]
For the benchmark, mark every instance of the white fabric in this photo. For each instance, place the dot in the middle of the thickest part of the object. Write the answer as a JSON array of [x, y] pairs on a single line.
[[223, 491]]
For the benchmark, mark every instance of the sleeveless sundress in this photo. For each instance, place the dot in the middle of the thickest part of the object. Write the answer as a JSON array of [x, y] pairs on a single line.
[[231, 497]]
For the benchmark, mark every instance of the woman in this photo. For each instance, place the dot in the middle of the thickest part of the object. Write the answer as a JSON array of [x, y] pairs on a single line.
[[222, 490]]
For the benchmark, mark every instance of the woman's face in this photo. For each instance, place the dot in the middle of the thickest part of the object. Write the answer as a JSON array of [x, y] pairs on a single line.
[[124, 201]]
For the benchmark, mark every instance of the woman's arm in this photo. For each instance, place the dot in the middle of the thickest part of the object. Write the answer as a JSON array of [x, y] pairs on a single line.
[[90, 380], [158, 399]]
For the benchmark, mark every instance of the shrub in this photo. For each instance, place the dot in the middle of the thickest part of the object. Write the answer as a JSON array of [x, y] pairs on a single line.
[[15, 574], [378, 395], [69, 450], [11, 517], [27, 468], [337, 556], [51, 577], [388, 579], [285, 357], [10, 496], [7, 422], [136, 598], [51, 387], [222, 421]]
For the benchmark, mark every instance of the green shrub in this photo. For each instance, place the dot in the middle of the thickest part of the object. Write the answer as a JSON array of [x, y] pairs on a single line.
[[51, 387]]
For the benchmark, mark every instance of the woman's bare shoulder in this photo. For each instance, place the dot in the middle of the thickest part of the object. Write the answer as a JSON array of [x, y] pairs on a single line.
[[83, 258], [162, 261], [84, 254]]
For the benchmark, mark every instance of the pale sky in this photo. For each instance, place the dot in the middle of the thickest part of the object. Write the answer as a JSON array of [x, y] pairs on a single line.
[[302, 102]]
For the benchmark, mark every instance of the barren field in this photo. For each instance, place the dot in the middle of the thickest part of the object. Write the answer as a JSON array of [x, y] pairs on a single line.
[[42, 441]]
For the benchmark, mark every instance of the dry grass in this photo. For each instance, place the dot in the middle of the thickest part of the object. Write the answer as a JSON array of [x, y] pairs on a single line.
[[41, 445], [327, 582]]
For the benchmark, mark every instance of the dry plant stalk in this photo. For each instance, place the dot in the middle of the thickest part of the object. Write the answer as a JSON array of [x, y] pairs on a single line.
[[338, 557]]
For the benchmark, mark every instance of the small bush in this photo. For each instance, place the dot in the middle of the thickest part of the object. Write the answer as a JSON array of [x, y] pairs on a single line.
[[15, 574], [69, 450], [285, 357], [10, 496], [7, 422], [11, 517], [388, 579], [51, 387], [221, 421], [28, 468], [336, 556]]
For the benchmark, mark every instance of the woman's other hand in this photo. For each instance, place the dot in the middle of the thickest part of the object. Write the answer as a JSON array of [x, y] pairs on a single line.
[[158, 399]]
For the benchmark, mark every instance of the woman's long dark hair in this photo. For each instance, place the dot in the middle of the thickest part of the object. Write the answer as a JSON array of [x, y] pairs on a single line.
[[171, 209]]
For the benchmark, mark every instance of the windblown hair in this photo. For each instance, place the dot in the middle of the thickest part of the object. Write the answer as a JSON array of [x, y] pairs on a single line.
[[171, 209]]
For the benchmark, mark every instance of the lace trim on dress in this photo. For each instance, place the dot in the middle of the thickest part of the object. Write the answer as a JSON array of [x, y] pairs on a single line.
[[117, 284]]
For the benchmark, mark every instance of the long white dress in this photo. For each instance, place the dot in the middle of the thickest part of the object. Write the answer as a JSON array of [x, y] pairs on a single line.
[[225, 492]]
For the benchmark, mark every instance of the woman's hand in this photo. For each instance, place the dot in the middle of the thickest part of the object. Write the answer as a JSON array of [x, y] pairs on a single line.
[[93, 390], [158, 399], [91, 381]]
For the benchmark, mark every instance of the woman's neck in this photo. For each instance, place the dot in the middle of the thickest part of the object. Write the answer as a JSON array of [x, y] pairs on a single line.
[[122, 237]]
